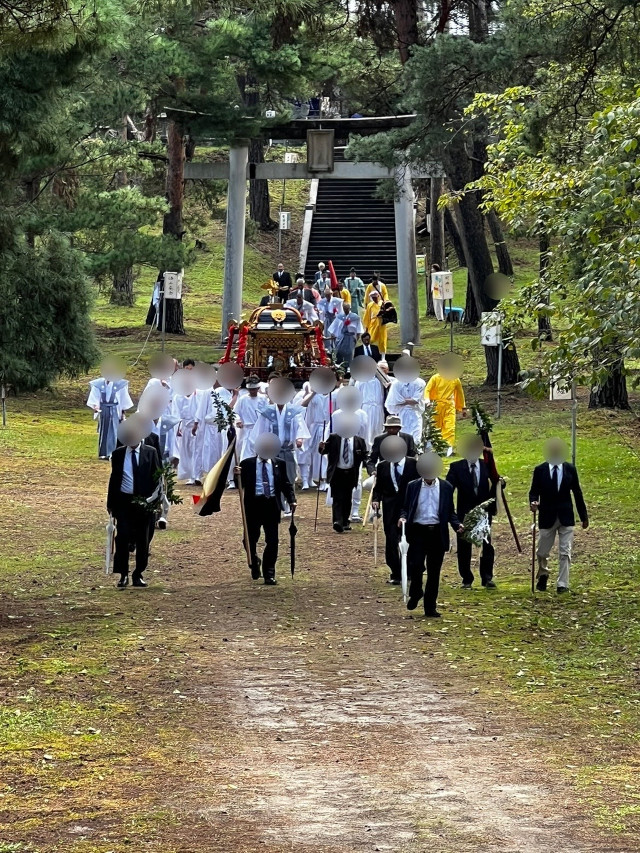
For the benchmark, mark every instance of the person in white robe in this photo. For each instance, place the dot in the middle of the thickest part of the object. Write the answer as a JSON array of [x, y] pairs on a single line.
[[247, 408], [185, 407], [109, 400], [328, 308], [373, 404], [306, 309], [211, 442], [345, 330], [313, 466], [167, 438], [406, 400]]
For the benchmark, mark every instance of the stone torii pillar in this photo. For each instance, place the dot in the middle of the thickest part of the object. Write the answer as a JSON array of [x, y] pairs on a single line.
[[408, 314], [234, 242]]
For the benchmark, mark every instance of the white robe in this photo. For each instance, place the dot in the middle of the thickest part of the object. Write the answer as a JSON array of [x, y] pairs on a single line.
[[410, 416], [373, 404], [247, 409], [211, 443], [317, 418], [307, 310], [153, 386], [186, 408]]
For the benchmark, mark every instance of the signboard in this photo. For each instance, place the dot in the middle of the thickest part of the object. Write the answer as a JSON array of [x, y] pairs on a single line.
[[560, 389], [291, 157], [270, 114], [173, 285], [442, 285], [320, 150], [285, 220], [421, 264], [491, 329]]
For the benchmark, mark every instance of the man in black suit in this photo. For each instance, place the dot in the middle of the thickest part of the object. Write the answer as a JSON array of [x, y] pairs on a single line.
[[471, 479], [366, 347], [265, 483], [283, 280], [551, 488], [393, 475], [428, 511], [345, 455], [392, 426], [133, 475]]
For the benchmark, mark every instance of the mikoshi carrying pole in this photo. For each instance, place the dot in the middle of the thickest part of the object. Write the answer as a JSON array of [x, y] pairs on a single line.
[[533, 550]]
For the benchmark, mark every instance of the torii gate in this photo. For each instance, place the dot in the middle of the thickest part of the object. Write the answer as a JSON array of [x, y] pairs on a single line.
[[237, 171]]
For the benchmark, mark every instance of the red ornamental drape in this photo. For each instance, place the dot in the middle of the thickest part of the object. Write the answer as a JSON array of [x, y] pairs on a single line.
[[242, 344], [227, 353], [321, 349]]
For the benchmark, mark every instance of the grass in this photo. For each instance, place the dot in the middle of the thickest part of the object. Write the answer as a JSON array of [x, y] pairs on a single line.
[[70, 725]]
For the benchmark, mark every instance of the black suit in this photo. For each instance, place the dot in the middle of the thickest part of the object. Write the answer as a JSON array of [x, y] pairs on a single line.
[[556, 504], [428, 543], [374, 456], [392, 501], [468, 497], [264, 512], [374, 351], [134, 523], [343, 480], [283, 280]]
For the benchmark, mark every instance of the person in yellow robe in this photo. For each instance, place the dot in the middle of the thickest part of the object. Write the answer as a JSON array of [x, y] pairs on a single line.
[[376, 286], [448, 396], [374, 325]]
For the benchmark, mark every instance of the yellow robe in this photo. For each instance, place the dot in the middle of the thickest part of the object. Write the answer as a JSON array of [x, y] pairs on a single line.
[[374, 325], [382, 288], [449, 398]]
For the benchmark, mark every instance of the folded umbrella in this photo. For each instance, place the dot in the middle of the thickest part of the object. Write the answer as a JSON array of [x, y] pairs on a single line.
[[403, 547], [292, 534]]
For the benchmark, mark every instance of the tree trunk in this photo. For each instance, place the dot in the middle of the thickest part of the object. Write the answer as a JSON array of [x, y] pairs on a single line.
[[478, 14], [502, 252], [612, 394], [172, 223], [453, 231], [544, 323], [437, 247], [406, 18], [510, 365], [471, 316], [259, 201], [122, 288]]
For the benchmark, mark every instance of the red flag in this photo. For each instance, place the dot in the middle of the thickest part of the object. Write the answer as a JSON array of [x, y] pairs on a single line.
[[335, 284]]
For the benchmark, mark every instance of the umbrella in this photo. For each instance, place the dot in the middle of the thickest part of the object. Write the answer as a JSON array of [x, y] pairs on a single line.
[[292, 533], [403, 547], [111, 540]]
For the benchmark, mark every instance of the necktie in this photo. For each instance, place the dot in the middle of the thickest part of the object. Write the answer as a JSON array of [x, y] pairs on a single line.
[[134, 468], [368, 352], [474, 474], [554, 477], [345, 451], [396, 470], [266, 488]]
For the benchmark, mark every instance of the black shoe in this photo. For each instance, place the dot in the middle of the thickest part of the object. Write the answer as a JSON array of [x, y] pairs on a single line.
[[338, 527], [138, 582], [412, 603], [270, 582], [432, 614], [394, 581], [489, 585], [562, 589], [347, 527], [541, 586], [255, 568], [466, 585], [123, 582]]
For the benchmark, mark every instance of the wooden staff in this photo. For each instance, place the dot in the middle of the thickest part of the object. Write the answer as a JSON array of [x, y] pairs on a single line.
[[533, 551], [369, 502], [243, 513], [315, 523]]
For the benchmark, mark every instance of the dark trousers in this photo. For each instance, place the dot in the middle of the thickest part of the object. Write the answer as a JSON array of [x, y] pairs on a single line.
[[264, 514], [487, 556], [392, 535], [425, 551], [134, 527], [342, 485]]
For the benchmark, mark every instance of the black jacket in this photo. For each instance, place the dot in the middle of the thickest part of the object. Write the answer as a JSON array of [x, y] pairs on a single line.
[[283, 280], [145, 485], [460, 478], [446, 513], [556, 505], [385, 491], [374, 456], [332, 448], [375, 352], [281, 483]]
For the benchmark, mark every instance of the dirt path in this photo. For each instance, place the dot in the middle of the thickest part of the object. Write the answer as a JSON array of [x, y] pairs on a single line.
[[324, 725]]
